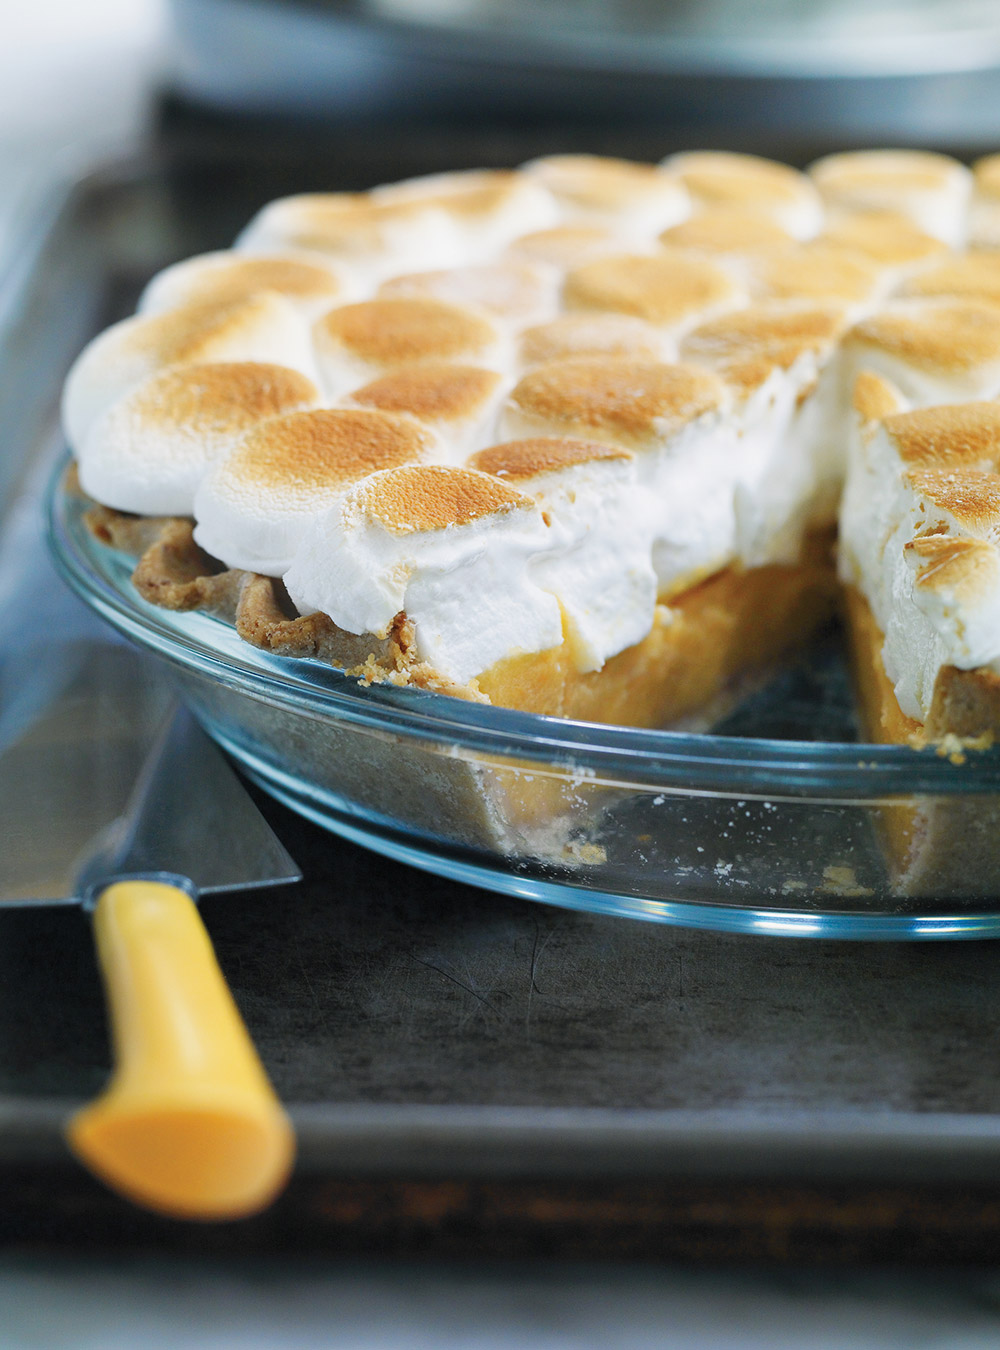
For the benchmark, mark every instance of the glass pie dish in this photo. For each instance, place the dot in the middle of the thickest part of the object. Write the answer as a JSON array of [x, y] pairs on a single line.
[[778, 822]]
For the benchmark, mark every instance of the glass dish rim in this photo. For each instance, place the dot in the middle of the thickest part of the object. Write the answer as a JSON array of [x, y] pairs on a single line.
[[653, 758]]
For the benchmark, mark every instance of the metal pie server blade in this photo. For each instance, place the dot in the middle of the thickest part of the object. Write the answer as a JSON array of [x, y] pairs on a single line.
[[111, 797]]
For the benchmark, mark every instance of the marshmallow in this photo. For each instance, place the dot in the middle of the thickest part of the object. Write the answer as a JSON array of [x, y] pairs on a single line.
[[728, 234], [887, 239], [635, 201], [818, 273], [252, 506], [599, 567], [513, 293], [148, 452], [920, 526], [779, 363], [972, 276], [676, 420], [934, 350], [372, 240], [930, 190], [484, 208], [310, 282], [718, 179], [564, 246], [263, 328], [450, 548], [458, 403], [613, 335], [357, 343], [669, 289], [984, 209]]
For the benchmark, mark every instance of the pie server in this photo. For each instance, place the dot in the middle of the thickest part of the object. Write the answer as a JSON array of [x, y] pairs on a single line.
[[111, 798]]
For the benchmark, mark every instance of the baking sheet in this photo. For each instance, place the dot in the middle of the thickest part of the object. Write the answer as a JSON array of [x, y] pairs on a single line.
[[470, 1071]]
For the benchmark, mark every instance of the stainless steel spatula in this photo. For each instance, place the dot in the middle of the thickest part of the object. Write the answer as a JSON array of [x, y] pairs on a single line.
[[111, 798]]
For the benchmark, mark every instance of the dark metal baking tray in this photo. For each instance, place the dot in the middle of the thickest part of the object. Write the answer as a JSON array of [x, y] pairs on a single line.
[[470, 1072]]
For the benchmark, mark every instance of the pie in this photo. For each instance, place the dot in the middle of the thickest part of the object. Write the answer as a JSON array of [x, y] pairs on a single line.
[[575, 438]]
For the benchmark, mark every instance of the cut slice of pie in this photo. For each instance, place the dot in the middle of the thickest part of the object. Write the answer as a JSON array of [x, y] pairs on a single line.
[[920, 558]]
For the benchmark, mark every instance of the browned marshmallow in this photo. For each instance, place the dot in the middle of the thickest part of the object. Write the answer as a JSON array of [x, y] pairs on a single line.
[[817, 273], [634, 200], [564, 246], [264, 327], [886, 238], [458, 402], [373, 238], [676, 420], [311, 284], [668, 289], [630, 403], [483, 208], [728, 232], [931, 190], [509, 292], [746, 346], [612, 335], [779, 361], [149, 451], [600, 565], [357, 343], [718, 178], [934, 350], [253, 505], [525, 460], [972, 276], [984, 209]]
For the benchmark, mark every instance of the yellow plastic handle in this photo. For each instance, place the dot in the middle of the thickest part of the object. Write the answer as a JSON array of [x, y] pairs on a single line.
[[189, 1124]]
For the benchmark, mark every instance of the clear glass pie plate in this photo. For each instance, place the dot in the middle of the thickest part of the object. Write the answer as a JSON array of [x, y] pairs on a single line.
[[743, 829]]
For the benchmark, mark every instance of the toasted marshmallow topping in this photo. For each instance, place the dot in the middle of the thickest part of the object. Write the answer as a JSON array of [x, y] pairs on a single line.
[[668, 289], [485, 208], [728, 232], [716, 178], [961, 437], [675, 417], [262, 328], [818, 273], [931, 190], [935, 351], [149, 451], [886, 238], [614, 335], [984, 209], [748, 344], [373, 239], [599, 567], [629, 403], [357, 343], [634, 200], [778, 362], [311, 283], [458, 402], [636, 477], [522, 462], [973, 276], [451, 548], [564, 246], [509, 292], [986, 177], [252, 506], [920, 529]]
